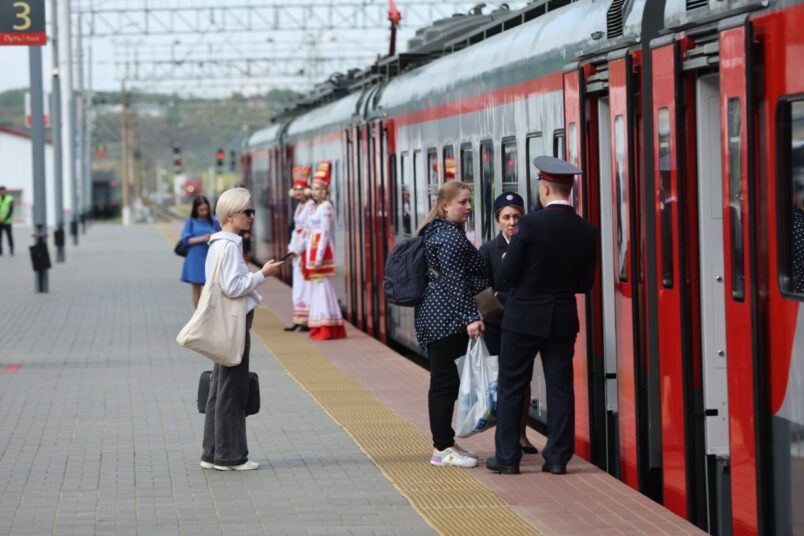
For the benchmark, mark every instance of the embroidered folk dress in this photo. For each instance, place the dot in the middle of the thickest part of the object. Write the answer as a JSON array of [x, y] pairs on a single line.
[[302, 288], [325, 320]]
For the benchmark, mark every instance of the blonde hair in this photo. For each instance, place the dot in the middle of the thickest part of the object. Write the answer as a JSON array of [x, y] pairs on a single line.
[[231, 201], [447, 192]]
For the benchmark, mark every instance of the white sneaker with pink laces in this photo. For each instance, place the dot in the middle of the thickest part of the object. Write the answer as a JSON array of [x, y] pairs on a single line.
[[450, 457]]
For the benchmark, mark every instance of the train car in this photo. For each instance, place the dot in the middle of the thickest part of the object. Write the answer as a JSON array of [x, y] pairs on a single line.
[[687, 117]]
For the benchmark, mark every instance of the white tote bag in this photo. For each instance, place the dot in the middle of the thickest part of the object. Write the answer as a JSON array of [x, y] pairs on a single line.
[[218, 326], [477, 394]]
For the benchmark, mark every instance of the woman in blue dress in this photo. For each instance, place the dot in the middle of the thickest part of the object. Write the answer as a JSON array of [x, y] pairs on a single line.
[[197, 230]]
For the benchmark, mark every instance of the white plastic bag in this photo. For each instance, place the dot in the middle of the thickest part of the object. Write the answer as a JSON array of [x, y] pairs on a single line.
[[477, 395]]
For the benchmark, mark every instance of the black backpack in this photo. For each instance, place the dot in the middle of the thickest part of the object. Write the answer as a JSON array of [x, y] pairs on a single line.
[[405, 279]]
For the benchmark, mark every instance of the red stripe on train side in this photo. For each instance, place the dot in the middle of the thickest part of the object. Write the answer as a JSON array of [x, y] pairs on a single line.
[[546, 84]]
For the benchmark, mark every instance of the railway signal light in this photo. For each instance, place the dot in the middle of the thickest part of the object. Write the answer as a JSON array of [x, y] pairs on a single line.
[[177, 160], [232, 160], [219, 158]]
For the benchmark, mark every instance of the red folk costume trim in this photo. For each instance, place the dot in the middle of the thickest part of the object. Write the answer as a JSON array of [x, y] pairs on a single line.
[[327, 268]]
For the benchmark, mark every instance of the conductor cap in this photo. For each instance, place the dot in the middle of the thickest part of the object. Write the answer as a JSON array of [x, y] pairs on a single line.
[[556, 170]]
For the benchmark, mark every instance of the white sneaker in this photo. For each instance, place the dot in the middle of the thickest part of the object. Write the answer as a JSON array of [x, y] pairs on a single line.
[[465, 452], [248, 466], [451, 457], [206, 465]]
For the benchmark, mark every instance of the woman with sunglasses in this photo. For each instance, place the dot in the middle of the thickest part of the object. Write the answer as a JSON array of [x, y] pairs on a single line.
[[325, 320], [224, 445]]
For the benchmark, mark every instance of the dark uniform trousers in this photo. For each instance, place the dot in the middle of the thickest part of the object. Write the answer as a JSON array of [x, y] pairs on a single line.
[[516, 370]]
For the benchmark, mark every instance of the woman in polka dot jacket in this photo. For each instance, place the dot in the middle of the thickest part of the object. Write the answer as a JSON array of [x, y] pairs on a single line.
[[447, 316]]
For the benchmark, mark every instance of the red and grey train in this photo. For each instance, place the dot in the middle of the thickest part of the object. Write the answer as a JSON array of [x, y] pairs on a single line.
[[687, 117]]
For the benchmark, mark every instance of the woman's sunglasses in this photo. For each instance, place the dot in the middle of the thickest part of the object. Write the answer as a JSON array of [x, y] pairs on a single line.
[[249, 212]]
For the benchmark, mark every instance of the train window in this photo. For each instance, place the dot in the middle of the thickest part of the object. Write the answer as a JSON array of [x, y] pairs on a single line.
[[467, 164], [623, 228], [558, 144], [338, 194], [572, 158], [666, 197], [534, 149], [486, 190], [420, 193], [432, 177], [393, 185], [405, 188], [735, 174], [449, 162], [791, 197], [468, 176], [510, 181]]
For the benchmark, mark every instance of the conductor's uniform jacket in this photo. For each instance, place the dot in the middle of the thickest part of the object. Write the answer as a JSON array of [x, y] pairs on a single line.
[[552, 258]]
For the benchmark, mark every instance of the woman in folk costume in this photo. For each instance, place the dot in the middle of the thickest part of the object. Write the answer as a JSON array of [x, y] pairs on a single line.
[[302, 288], [325, 320]]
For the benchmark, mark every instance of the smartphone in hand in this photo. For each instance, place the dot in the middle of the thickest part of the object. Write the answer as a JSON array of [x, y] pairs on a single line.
[[286, 257]]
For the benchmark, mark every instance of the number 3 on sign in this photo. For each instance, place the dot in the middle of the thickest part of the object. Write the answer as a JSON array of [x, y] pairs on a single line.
[[24, 14]]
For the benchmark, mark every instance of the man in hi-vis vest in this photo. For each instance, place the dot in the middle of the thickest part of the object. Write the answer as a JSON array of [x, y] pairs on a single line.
[[6, 217]]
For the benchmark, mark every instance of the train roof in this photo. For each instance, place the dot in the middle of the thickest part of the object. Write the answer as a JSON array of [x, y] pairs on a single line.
[[679, 14], [536, 48], [330, 116], [266, 136]]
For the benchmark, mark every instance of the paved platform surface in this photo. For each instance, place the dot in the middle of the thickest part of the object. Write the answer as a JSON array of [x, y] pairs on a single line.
[[98, 428]]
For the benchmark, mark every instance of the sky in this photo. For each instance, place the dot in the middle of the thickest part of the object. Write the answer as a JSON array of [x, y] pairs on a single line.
[[305, 47]]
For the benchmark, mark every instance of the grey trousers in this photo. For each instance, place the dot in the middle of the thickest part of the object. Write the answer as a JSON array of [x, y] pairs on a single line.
[[225, 418]]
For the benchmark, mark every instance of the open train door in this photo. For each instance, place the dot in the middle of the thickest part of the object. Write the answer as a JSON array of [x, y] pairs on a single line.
[[673, 203], [582, 362], [739, 202], [621, 246]]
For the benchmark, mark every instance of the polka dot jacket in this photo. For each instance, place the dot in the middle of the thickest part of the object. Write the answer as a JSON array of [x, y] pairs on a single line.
[[456, 272]]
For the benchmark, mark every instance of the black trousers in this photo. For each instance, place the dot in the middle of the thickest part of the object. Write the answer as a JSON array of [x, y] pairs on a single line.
[[6, 228], [225, 415], [516, 371], [444, 382]]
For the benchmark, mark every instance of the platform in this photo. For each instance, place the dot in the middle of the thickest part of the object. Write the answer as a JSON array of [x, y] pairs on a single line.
[[99, 432]]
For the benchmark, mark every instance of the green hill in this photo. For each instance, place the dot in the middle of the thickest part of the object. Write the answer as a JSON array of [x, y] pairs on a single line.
[[198, 126]]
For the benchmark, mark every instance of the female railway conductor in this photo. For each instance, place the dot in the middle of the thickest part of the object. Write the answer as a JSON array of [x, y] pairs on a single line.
[[550, 259]]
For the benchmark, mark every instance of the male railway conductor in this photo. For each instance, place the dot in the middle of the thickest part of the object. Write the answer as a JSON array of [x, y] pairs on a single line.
[[551, 258]]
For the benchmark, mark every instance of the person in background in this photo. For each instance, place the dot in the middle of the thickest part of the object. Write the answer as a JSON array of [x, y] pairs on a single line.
[[6, 218], [246, 236], [447, 315], [325, 320], [302, 288], [224, 445], [198, 229], [508, 208], [552, 258]]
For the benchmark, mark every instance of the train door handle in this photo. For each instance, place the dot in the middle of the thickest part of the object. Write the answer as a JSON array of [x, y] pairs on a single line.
[[719, 278], [721, 353]]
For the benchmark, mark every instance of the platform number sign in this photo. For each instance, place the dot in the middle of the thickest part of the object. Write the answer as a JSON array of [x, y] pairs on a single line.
[[22, 22]]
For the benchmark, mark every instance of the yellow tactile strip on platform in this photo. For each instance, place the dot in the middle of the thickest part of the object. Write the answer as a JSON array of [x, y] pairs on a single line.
[[449, 499]]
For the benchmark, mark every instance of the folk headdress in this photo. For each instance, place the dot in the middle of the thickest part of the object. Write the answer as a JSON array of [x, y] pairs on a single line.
[[324, 173], [301, 176]]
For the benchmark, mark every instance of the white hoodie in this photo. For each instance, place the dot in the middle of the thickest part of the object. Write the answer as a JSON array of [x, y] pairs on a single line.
[[235, 278]]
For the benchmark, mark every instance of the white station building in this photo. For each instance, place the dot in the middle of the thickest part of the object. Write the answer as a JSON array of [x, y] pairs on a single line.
[[16, 174]]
